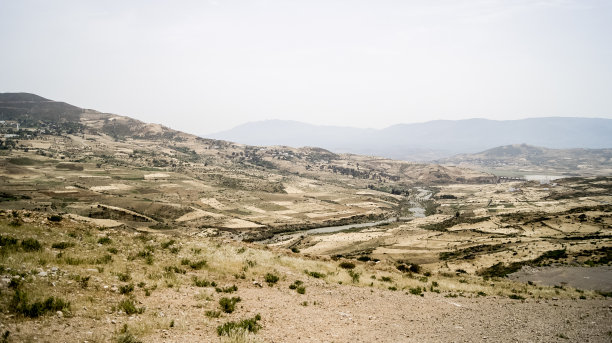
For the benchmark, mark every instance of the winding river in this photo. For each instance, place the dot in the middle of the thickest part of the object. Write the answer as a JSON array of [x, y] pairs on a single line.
[[416, 208]]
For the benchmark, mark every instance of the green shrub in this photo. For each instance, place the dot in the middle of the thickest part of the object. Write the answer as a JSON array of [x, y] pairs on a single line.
[[167, 244], [144, 253], [386, 279], [128, 306], [295, 284], [112, 250], [126, 289], [193, 265], [197, 265], [127, 337], [229, 289], [19, 304], [7, 241], [354, 276], [516, 297], [149, 260], [84, 281], [315, 275], [30, 244], [228, 305], [124, 277], [175, 269], [203, 283], [271, 278], [62, 245], [54, 218], [249, 325], [104, 240], [301, 290], [347, 265], [408, 267], [416, 291]]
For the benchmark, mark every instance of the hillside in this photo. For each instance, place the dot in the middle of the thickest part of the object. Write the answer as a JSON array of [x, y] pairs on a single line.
[[116, 230], [120, 163], [537, 160], [430, 140]]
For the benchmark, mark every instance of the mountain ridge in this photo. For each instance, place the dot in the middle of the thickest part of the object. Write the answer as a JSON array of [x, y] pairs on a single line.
[[421, 141]]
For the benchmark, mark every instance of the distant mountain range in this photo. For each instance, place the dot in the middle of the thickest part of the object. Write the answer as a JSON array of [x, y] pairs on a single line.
[[430, 140]]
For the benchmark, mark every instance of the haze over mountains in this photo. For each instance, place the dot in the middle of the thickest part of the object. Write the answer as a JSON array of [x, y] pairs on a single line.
[[430, 140]]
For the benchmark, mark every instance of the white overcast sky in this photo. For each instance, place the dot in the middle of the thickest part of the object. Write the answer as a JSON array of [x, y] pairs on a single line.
[[206, 66]]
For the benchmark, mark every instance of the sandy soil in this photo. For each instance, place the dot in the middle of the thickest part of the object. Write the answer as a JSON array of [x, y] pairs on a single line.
[[348, 314]]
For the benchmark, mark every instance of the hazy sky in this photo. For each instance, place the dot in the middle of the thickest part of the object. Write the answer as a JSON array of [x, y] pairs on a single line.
[[205, 66]]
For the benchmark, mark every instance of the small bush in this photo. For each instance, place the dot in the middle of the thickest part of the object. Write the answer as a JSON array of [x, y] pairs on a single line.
[[295, 284], [167, 244], [271, 279], [175, 269], [301, 290], [84, 281], [62, 245], [363, 258], [249, 325], [19, 304], [30, 244], [354, 276], [128, 306], [516, 297], [149, 260], [203, 283], [213, 314], [127, 337], [230, 289], [144, 253], [124, 277], [104, 240], [295, 250], [315, 275], [7, 241], [386, 279], [197, 265], [126, 289], [112, 250], [347, 265], [54, 218], [228, 305], [409, 267], [416, 291]]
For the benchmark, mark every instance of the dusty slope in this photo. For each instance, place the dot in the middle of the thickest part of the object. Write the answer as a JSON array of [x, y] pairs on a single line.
[[377, 305]]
